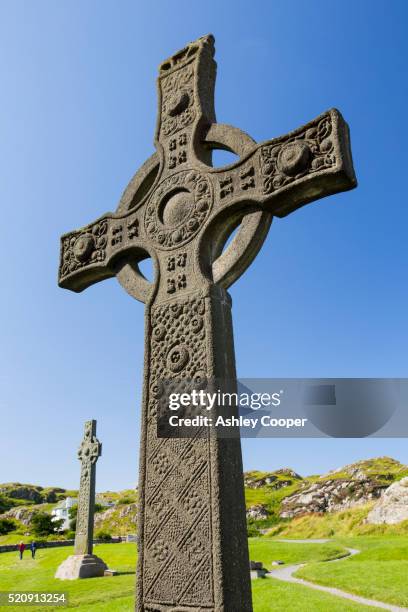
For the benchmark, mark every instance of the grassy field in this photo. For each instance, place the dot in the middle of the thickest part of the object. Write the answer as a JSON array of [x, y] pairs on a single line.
[[273, 596], [38, 575], [266, 550], [114, 594], [380, 571]]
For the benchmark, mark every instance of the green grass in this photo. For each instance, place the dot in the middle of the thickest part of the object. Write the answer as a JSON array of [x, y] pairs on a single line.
[[14, 537], [266, 550], [116, 594], [38, 575], [379, 572], [115, 496], [271, 499], [23, 533], [271, 595]]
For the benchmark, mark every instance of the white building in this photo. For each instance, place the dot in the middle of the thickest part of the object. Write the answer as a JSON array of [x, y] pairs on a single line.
[[61, 511]]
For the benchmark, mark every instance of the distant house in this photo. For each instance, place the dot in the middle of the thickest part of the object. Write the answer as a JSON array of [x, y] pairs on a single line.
[[61, 511]]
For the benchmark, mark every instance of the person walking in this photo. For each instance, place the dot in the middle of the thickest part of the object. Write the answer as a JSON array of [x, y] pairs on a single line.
[[21, 548], [33, 548]]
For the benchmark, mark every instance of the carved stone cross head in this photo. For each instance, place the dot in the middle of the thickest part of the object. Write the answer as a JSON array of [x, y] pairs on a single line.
[[90, 449], [180, 211]]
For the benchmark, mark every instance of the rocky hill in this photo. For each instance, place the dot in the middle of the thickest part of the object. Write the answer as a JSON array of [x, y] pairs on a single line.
[[352, 485], [14, 494], [367, 492], [274, 498]]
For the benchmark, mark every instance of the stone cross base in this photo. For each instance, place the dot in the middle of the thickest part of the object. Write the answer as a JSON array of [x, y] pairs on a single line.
[[81, 566]]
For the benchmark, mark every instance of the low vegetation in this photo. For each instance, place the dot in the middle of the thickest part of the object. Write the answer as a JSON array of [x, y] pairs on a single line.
[[7, 525], [347, 523], [42, 525], [267, 551]]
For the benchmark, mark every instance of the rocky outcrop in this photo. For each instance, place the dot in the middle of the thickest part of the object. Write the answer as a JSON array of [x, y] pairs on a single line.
[[385, 469], [257, 512], [101, 517], [27, 492], [273, 480], [117, 519], [129, 510], [32, 493], [392, 508], [288, 472], [330, 495], [22, 514], [50, 496]]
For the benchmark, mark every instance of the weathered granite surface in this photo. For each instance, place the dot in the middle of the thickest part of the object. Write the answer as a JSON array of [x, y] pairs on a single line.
[[81, 566], [257, 512], [331, 496], [392, 508]]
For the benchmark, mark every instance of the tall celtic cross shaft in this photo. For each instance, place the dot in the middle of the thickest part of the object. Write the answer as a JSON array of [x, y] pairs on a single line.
[[88, 454], [177, 209]]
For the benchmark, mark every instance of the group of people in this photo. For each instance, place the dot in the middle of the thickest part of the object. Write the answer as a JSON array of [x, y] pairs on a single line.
[[32, 547]]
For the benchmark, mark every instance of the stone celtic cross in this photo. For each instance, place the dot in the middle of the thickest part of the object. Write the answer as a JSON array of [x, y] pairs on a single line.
[[88, 453], [84, 564], [178, 210]]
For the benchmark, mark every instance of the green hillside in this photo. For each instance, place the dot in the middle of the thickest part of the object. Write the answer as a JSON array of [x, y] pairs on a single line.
[[360, 483], [279, 502]]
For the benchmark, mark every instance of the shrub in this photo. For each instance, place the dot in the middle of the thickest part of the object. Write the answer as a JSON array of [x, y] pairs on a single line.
[[103, 535], [252, 530], [99, 507], [5, 504], [43, 525], [126, 501], [72, 513], [7, 525], [70, 535]]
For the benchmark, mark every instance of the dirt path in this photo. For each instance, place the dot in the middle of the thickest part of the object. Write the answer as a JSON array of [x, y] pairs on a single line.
[[286, 574]]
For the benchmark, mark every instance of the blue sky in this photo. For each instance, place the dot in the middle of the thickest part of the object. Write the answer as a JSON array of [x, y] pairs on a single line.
[[327, 295]]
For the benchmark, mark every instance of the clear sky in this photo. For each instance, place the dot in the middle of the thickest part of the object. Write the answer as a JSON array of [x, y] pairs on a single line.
[[327, 295]]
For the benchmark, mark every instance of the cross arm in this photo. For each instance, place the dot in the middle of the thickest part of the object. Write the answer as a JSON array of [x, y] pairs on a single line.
[[89, 255], [290, 171]]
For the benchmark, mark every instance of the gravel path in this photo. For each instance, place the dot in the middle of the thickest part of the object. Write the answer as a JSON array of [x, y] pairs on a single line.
[[286, 574]]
